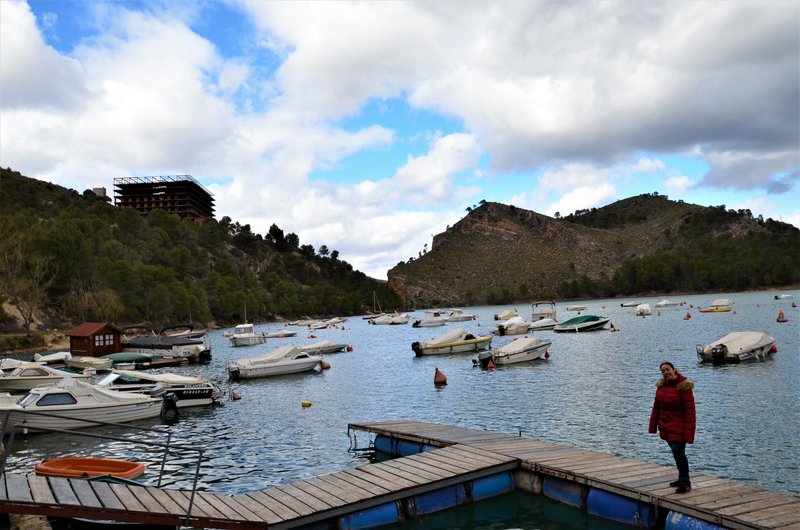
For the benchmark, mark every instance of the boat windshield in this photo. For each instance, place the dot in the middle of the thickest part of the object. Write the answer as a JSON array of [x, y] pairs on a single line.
[[27, 400]]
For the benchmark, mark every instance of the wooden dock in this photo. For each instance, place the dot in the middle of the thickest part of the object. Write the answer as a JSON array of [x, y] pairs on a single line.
[[465, 455], [719, 501]]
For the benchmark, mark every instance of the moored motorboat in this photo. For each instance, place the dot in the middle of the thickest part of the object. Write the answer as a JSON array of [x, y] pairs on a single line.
[[191, 348], [29, 375], [188, 391], [506, 314], [73, 404], [720, 305], [323, 347], [642, 310], [457, 340], [629, 304], [432, 318], [280, 361], [86, 467], [520, 350], [736, 347], [666, 303], [582, 323], [245, 335], [281, 334], [576, 307], [52, 358], [458, 315], [85, 361], [512, 326], [543, 310]]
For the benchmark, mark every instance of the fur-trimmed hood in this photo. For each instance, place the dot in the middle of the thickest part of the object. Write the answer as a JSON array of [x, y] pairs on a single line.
[[681, 383]]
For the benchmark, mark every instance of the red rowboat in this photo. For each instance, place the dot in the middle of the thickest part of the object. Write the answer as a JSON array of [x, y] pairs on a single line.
[[78, 467]]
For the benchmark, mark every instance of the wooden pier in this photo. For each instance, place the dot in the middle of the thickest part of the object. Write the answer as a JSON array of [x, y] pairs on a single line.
[[464, 455]]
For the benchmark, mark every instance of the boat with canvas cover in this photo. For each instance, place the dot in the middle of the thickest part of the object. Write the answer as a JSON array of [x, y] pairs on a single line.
[[86, 467], [77, 405], [323, 347], [720, 305], [26, 376], [506, 314], [582, 323], [736, 347], [82, 362], [280, 361], [513, 326], [457, 340], [642, 310], [520, 350], [189, 391], [666, 303]]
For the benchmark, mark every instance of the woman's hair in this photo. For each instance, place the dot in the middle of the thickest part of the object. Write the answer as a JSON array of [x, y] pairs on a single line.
[[668, 364]]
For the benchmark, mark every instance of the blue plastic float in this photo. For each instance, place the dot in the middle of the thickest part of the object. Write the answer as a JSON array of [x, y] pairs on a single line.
[[620, 509]]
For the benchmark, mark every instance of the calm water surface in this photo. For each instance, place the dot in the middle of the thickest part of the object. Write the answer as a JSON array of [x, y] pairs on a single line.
[[594, 392]]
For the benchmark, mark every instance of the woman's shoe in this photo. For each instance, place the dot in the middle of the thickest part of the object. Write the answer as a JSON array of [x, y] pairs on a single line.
[[674, 484], [683, 489]]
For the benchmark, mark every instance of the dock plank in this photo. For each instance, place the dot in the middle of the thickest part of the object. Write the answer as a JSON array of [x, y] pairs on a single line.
[[166, 502], [288, 500], [62, 491], [40, 490], [386, 473], [283, 512], [358, 480], [83, 490], [242, 512], [316, 504], [331, 494], [107, 497], [128, 499], [264, 513], [18, 489]]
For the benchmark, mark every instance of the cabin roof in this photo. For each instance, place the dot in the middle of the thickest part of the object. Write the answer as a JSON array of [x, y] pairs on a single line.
[[87, 329]]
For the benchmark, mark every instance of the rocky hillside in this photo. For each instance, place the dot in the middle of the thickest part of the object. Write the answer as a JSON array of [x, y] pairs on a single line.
[[503, 254]]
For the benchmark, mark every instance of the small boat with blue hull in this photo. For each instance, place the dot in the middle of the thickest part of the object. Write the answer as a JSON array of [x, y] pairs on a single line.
[[582, 323]]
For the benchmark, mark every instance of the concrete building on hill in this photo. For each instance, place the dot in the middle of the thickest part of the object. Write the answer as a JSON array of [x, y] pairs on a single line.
[[180, 194]]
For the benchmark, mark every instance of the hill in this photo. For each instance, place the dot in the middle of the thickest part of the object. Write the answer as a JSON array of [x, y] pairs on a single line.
[[69, 257], [645, 244]]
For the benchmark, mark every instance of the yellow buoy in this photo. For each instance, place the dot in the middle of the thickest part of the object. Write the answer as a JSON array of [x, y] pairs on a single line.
[[305, 404]]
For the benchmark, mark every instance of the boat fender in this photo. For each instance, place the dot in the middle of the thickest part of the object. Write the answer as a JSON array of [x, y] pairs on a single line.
[[235, 396], [349, 347], [490, 365], [324, 365], [773, 349], [546, 354], [169, 406]]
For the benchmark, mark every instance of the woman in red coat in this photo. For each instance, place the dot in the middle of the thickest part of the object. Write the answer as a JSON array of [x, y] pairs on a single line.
[[674, 415]]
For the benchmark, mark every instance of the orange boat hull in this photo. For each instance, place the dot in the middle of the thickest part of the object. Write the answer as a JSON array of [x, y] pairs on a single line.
[[76, 467]]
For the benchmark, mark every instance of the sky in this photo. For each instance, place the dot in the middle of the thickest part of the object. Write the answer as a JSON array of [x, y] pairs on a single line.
[[371, 126]]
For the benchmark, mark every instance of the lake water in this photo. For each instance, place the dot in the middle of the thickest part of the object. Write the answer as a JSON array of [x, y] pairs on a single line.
[[594, 392]]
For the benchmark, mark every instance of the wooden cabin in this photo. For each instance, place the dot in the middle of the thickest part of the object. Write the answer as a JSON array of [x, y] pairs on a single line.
[[95, 339]]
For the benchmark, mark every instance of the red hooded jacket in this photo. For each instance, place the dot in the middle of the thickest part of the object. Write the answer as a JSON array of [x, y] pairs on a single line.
[[673, 410]]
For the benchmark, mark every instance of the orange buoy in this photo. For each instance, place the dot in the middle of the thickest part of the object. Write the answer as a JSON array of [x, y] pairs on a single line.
[[773, 349], [688, 316], [781, 316], [490, 365], [324, 365], [546, 354], [349, 347], [235, 396], [439, 379]]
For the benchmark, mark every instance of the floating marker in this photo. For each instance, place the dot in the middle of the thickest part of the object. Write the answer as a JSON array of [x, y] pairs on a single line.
[[439, 379]]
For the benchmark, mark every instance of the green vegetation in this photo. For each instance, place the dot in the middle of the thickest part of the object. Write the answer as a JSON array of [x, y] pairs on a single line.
[[67, 257]]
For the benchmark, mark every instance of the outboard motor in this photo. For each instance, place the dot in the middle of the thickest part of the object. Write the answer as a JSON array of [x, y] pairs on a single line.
[[416, 348], [501, 330], [718, 355], [483, 359], [169, 406]]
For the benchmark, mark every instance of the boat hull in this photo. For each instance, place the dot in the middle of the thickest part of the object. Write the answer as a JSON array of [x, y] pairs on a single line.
[[76, 467], [593, 325], [83, 417], [23, 384], [751, 346], [467, 346], [293, 366], [525, 355], [250, 340]]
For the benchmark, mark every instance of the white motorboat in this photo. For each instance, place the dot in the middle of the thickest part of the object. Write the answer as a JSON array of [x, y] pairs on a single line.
[[193, 349], [721, 302], [582, 323], [431, 319], [55, 357], [82, 362], [9, 365], [323, 347], [520, 350], [399, 319], [381, 320], [666, 303], [282, 334], [280, 361], [245, 335], [629, 304], [506, 314], [74, 404], [189, 391], [29, 375], [642, 310], [543, 309], [736, 347], [457, 340], [513, 326], [458, 315], [542, 324], [576, 307]]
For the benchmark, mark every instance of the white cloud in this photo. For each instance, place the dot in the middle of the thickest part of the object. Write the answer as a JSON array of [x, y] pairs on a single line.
[[678, 184], [582, 198]]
